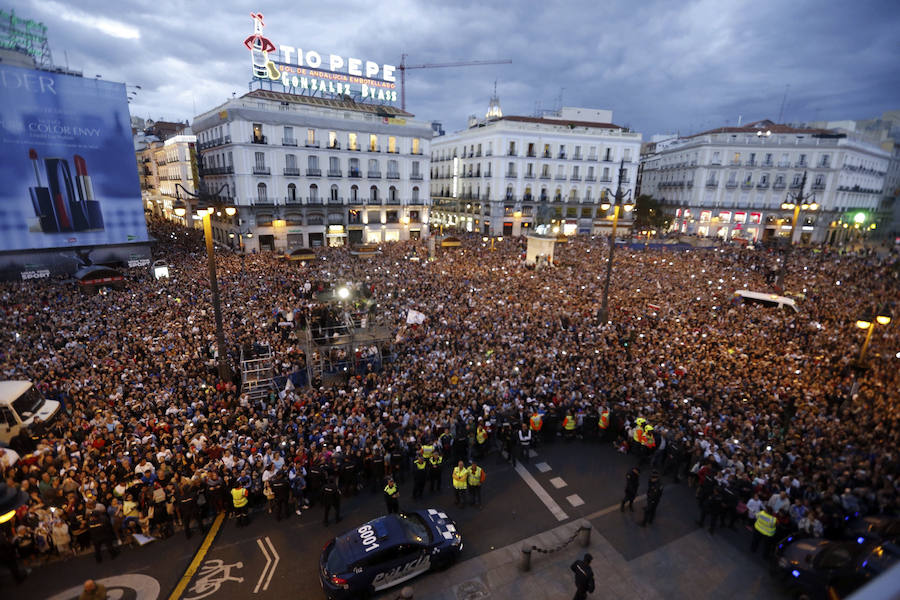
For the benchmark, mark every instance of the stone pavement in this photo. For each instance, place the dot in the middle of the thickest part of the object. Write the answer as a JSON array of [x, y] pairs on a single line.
[[694, 565]]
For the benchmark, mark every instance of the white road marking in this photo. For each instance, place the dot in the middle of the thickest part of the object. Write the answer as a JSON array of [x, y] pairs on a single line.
[[532, 454], [541, 493], [575, 500], [271, 560], [542, 467], [558, 482]]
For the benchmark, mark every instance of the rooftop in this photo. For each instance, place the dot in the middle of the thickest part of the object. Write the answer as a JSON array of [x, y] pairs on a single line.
[[342, 104], [764, 125]]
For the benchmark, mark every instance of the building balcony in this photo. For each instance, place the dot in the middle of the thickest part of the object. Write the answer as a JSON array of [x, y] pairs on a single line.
[[606, 179], [374, 174], [262, 171], [396, 175], [762, 185], [293, 201], [265, 202], [545, 176], [354, 174], [575, 178], [591, 178], [291, 172], [512, 153], [335, 173], [373, 201], [489, 153], [690, 184], [373, 149], [335, 201], [712, 184], [229, 170], [560, 177], [315, 201], [312, 144], [487, 174], [731, 185], [778, 185], [416, 202], [530, 154], [418, 176], [529, 176], [511, 175], [801, 165], [818, 186], [392, 201], [577, 157], [795, 185], [747, 185], [288, 142], [314, 172], [783, 164], [258, 139]]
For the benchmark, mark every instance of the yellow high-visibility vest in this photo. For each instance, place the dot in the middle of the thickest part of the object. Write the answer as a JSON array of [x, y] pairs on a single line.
[[239, 497], [476, 476], [765, 523], [481, 435], [390, 490], [460, 478], [569, 423], [604, 420], [427, 449]]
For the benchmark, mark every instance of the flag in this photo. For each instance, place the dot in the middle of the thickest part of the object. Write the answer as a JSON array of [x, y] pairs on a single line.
[[655, 307], [415, 317]]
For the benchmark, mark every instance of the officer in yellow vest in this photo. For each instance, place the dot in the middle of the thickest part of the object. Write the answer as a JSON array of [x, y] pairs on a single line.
[[569, 425], [480, 439], [427, 450], [536, 422], [460, 484], [239, 498], [435, 466], [420, 466], [392, 496], [763, 528], [475, 479], [603, 422], [649, 441]]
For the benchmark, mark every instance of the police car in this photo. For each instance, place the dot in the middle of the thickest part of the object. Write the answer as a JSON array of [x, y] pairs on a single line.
[[387, 551]]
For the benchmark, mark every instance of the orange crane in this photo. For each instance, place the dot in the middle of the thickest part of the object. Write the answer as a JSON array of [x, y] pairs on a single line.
[[462, 63]]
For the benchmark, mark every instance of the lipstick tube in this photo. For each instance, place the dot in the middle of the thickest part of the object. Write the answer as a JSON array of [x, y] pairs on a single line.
[[93, 212]]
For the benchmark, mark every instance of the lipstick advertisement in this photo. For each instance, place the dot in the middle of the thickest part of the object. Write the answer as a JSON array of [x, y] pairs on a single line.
[[67, 163]]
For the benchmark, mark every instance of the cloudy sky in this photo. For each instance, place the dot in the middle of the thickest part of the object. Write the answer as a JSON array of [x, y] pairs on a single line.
[[660, 65]]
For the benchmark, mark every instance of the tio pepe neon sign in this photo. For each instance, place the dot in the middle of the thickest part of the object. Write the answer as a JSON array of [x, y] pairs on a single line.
[[304, 71]]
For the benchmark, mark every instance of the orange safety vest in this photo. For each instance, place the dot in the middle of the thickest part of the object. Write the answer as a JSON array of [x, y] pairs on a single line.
[[603, 423], [536, 422], [639, 435], [649, 440]]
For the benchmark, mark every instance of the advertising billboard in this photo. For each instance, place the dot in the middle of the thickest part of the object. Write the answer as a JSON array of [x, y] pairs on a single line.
[[68, 176]]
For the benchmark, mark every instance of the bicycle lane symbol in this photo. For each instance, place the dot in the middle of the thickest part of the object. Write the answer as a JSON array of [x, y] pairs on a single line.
[[213, 575]]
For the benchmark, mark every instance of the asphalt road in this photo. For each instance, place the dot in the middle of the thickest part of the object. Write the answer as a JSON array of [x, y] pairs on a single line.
[[566, 481]]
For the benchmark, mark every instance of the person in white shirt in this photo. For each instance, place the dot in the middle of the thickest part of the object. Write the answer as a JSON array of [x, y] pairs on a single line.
[[754, 506], [779, 501]]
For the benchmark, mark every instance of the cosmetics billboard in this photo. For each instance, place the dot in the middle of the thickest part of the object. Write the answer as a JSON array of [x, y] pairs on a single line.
[[67, 165]]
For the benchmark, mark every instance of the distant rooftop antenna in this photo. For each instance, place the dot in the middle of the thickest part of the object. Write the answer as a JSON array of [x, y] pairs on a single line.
[[783, 102]]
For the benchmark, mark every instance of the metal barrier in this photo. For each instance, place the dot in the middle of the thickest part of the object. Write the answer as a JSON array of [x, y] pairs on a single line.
[[582, 533]]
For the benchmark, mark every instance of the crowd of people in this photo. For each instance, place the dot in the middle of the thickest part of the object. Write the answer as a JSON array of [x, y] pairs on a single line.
[[753, 405]]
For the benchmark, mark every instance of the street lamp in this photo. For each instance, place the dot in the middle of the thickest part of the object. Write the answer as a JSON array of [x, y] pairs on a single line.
[[796, 202], [622, 200], [882, 317], [206, 215], [492, 238]]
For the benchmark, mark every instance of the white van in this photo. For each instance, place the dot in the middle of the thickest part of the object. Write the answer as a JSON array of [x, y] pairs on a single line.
[[20, 404], [771, 300]]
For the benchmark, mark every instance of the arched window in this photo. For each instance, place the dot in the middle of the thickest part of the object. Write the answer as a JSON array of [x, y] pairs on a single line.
[[392, 194], [373, 193], [292, 192], [587, 194], [557, 196], [509, 192], [261, 192], [415, 193], [573, 195], [354, 194], [334, 193], [544, 193], [313, 193]]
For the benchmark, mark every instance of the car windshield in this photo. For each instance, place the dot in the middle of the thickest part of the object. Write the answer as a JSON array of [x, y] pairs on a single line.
[[416, 529], [838, 556], [28, 403]]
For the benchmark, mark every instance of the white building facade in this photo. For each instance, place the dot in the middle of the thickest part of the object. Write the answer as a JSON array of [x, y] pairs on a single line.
[[306, 172], [731, 183], [502, 174]]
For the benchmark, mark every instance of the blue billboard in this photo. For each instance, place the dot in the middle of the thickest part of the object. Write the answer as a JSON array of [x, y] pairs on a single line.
[[68, 174]]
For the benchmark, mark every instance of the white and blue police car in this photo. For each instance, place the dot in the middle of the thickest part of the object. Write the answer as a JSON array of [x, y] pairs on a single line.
[[387, 551]]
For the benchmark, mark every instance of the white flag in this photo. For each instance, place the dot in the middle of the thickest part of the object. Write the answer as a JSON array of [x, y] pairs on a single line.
[[415, 317]]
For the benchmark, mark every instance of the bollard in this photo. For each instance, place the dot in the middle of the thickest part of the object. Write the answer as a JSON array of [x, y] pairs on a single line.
[[406, 593], [584, 533], [526, 557]]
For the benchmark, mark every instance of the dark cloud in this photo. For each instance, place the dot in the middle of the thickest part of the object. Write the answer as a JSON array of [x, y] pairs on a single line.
[[659, 65]]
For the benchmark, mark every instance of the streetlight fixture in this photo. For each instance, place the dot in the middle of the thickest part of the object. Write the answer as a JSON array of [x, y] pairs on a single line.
[[622, 200], [498, 238], [796, 202], [867, 321], [206, 215]]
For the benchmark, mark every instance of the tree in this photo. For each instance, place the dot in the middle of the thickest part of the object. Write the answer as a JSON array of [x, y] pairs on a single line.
[[648, 214]]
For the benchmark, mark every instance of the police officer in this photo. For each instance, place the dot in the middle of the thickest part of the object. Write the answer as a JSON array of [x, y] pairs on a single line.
[[101, 532], [239, 495], [392, 496], [524, 441], [281, 489], [435, 468], [654, 494], [420, 474], [569, 425], [632, 480], [460, 484], [377, 473], [764, 528], [331, 498], [475, 479], [584, 577], [187, 505]]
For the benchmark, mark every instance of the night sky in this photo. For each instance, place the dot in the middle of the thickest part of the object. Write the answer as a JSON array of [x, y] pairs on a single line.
[[661, 66]]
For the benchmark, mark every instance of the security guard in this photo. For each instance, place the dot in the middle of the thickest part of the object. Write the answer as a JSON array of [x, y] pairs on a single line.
[[435, 466], [392, 496], [536, 422], [239, 498], [460, 483], [427, 450], [569, 425], [524, 441], [763, 528], [654, 494], [280, 487], [632, 480], [419, 476], [101, 533], [475, 479], [603, 422], [481, 437], [331, 498], [187, 505]]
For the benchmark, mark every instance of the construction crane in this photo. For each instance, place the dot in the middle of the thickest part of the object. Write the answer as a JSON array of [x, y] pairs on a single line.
[[462, 63]]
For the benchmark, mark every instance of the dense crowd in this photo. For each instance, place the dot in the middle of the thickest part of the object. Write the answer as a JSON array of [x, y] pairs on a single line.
[[755, 405]]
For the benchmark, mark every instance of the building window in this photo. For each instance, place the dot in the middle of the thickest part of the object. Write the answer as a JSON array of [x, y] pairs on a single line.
[[354, 167], [354, 193], [353, 141], [313, 193], [373, 142], [512, 148], [415, 168], [627, 154], [334, 165], [261, 192], [392, 217], [260, 160], [415, 194], [288, 135], [258, 137], [416, 146], [373, 165], [334, 193], [332, 139], [292, 192], [310, 137], [312, 162], [392, 144], [392, 194], [290, 161], [373, 193], [393, 169], [608, 156]]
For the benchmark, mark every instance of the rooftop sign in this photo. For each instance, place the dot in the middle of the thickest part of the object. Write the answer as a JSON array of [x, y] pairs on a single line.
[[309, 72]]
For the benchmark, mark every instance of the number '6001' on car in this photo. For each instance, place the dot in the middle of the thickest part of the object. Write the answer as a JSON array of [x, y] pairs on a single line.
[[387, 551]]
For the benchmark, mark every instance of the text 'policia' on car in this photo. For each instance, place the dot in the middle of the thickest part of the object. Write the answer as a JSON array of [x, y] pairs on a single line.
[[387, 551]]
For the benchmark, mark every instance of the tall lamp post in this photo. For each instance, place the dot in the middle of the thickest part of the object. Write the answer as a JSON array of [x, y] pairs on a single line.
[[206, 214], [796, 202], [498, 238], [621, 201], [882, 317]]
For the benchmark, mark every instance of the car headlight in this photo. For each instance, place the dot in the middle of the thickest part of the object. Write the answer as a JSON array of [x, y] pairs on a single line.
[[783, 562], [457, 540]]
